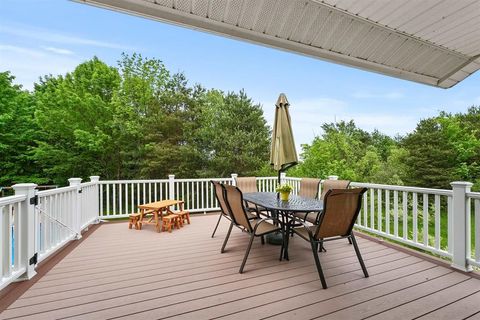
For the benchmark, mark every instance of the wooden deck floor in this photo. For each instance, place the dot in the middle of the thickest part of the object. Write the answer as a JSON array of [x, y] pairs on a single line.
[[128, 274]]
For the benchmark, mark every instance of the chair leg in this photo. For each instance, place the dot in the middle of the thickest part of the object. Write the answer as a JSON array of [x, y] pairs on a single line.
[[218, 222], [246, 253], [283, 250], [349, 240], [262, 239], [317, 262], [287, 240], [359, 256], [321, 248], [226, 238]]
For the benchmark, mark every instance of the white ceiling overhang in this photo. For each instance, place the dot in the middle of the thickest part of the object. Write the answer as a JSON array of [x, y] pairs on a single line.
[[429, 41]]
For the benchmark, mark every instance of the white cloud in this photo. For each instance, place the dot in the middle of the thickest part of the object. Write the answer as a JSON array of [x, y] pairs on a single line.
[[28, 64], [44, 35], [393, 95], [58, 50]]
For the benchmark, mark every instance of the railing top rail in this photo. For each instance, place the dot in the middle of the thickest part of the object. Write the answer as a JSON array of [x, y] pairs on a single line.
[[52, 192], [443, 192], [202, 179], [5, 201], [87, 184], [293, 178], [473, 195], [133, 181]]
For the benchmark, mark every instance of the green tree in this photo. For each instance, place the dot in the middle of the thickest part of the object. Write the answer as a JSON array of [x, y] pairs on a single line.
[[234, 135], [431, 159], [79, 124], [18, 133]]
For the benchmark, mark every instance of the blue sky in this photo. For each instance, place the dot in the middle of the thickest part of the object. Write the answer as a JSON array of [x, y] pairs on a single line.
[[39, 37]]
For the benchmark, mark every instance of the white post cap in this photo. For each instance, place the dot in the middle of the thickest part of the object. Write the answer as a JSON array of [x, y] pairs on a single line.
[[75, 181]]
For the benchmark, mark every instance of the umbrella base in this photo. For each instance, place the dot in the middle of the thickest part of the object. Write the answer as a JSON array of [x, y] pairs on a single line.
[[275, 238]]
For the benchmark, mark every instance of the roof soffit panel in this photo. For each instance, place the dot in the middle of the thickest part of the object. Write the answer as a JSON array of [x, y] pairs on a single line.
[[322, 30]]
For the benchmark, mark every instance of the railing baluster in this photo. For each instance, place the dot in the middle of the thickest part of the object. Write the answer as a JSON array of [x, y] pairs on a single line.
[[108, 198], [365, 209], [477, 230], [9, 241], [138, 194], [468, 226], [149, 192], [155, 191], [437, 221], [197, 204], [17, 235], [387, 211], [415, 216], [132, 196], [4, 244], [114, 186], [405, 217], [144, 193], [127, 211], [101, 200], [395, 213], [379, 208], [425, 219], [372, 208], [450, 224], [120, 198]]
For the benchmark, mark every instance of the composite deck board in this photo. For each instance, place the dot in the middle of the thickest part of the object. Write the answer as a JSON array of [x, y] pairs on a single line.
[[118, 273]]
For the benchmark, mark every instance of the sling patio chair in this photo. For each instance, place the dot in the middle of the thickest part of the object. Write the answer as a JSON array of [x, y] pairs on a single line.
[[248, 184], [223, 206], [239, 218], [341, 209], [312, 217], [308, 189]]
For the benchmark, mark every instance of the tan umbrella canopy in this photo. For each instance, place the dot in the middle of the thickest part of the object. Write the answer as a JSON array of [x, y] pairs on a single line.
[[283, 154]]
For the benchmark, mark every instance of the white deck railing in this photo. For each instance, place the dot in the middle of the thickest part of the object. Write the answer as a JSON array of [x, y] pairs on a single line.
[[473, 228], [35, 224], [11, 228]]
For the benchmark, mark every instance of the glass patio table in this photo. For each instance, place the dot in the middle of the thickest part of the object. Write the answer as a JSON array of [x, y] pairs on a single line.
[[281, 210]]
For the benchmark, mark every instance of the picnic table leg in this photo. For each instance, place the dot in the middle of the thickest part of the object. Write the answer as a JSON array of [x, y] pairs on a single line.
[[140, 220], [157, 222]]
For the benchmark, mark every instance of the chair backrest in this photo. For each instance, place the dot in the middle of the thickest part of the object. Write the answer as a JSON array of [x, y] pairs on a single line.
[[234, 200], [333, 184], [220, 197], [247, 184], [340, 211], [309, 188]]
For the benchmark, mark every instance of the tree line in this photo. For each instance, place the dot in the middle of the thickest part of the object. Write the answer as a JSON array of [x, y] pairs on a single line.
[[440, 150], [137, 120]]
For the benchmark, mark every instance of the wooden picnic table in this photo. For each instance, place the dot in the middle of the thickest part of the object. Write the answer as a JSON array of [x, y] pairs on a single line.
[[158, 209]]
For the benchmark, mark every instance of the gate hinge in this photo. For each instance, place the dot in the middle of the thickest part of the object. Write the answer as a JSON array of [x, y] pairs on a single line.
[[34, 259], [34, 200], [79, 190]]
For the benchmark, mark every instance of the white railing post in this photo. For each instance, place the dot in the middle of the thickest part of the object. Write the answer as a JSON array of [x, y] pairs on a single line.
[[77, 224], [171, 186], [28, 232], [332, 177], [96, 201], [459, 225], [234, 179], [283, 176]]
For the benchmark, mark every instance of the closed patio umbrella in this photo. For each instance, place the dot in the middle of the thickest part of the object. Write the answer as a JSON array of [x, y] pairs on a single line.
[[283, 154]]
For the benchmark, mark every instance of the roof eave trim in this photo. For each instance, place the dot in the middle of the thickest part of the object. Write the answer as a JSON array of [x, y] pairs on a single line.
[[154, 11]]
